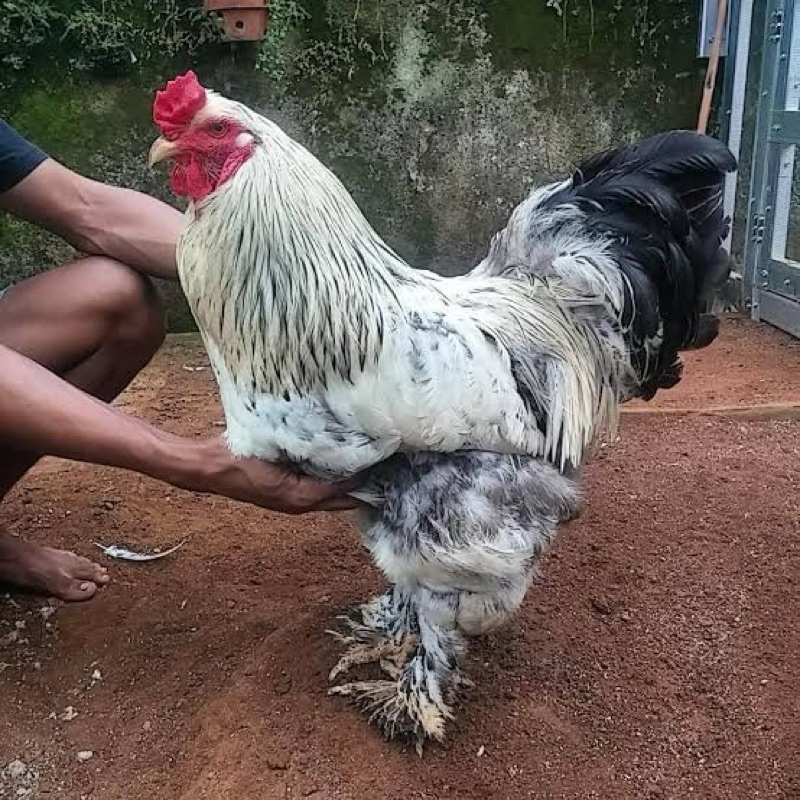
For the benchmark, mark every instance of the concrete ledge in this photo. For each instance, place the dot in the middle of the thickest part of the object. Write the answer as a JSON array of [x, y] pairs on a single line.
[[788, 410]]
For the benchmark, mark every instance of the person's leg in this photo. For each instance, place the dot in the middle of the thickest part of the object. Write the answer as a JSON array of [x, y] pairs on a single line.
[[96, 323]]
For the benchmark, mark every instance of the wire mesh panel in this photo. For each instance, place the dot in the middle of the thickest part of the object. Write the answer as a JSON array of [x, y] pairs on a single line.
[[772, 255]]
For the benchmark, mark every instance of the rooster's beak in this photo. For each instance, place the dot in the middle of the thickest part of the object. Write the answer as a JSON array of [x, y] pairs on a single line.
[[161, 150]]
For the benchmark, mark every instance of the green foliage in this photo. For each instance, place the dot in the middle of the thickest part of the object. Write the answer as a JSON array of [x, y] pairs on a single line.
[[275, 53], [77, 78], [25, 25], [99, 38], [437, 114], [327, 43]]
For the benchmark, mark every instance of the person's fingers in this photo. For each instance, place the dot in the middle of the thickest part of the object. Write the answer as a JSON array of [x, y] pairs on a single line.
[[346, 485], [297, 494], [315, 491], [338, 504]]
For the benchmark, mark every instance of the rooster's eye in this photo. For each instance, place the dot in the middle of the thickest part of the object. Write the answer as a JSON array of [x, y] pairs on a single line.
[[218, 128]]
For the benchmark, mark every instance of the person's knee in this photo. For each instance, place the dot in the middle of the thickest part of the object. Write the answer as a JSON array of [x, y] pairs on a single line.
[[130, 303]]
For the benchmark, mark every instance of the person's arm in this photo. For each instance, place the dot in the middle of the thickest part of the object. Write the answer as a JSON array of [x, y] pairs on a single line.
[[41, 413], [99, 219]]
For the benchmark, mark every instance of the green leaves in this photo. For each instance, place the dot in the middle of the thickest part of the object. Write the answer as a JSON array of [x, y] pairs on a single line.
[[97, 37]]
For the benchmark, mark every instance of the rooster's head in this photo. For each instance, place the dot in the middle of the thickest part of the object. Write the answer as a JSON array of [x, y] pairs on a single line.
[[207, 140]]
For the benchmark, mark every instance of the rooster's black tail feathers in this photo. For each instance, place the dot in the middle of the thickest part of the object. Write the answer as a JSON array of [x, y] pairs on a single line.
[[661, 203]]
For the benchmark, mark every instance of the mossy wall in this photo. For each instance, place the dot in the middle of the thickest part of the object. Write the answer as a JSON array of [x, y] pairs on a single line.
[[439, 115]]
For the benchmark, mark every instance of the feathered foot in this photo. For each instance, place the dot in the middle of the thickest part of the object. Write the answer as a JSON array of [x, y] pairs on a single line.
[[410, 707], [390, 655], [381, 631], [389, 615], [427, 678]]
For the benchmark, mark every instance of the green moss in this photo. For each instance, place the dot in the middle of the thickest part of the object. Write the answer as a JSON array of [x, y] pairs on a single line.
[[75, 120], [82, 124], [642, 53], [26, 250], [437, 115]]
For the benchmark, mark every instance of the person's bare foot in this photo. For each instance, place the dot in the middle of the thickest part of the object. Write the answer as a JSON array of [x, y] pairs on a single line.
[[42, 569]]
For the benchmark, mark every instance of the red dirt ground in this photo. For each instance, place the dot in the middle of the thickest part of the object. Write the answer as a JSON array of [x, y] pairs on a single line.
[[656, 657]]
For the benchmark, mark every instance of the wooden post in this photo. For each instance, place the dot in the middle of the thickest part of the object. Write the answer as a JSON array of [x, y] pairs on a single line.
[[713, 63]]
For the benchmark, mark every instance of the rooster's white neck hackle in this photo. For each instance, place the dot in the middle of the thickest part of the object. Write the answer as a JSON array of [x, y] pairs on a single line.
[[298, 263]]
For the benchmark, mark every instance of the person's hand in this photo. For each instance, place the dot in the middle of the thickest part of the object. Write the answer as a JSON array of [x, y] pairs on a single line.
[[212, 469], [41, 413]]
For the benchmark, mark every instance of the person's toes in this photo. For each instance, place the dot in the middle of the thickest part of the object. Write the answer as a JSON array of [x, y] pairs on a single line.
[[74, 590], [58, 572], [89, 571]]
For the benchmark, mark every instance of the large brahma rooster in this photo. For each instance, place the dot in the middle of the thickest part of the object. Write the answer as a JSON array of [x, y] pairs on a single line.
[[471, 401]]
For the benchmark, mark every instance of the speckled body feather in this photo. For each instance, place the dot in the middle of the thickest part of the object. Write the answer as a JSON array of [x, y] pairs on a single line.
[[471, 401]]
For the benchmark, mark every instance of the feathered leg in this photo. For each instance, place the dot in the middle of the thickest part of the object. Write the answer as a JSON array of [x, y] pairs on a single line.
[[472, 525], [480, 613], [384, 630], [417, 703]]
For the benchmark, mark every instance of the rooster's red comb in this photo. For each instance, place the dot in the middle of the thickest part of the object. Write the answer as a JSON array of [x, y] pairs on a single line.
[[175, 106]]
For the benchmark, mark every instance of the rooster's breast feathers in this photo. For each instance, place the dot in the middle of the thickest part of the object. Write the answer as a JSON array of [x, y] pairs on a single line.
[[466, 363], [441, 382]]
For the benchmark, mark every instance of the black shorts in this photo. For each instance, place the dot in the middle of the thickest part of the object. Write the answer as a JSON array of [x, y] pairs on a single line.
[[18, 157]]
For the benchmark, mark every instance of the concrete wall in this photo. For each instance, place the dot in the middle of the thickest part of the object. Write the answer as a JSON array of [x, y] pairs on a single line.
[[439, 115]]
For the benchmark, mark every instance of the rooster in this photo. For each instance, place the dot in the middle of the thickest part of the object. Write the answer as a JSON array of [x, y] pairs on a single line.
[[467, 404]]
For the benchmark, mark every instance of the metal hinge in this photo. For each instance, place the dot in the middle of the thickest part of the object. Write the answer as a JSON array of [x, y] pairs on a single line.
[[757, 229], [776, 25]]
